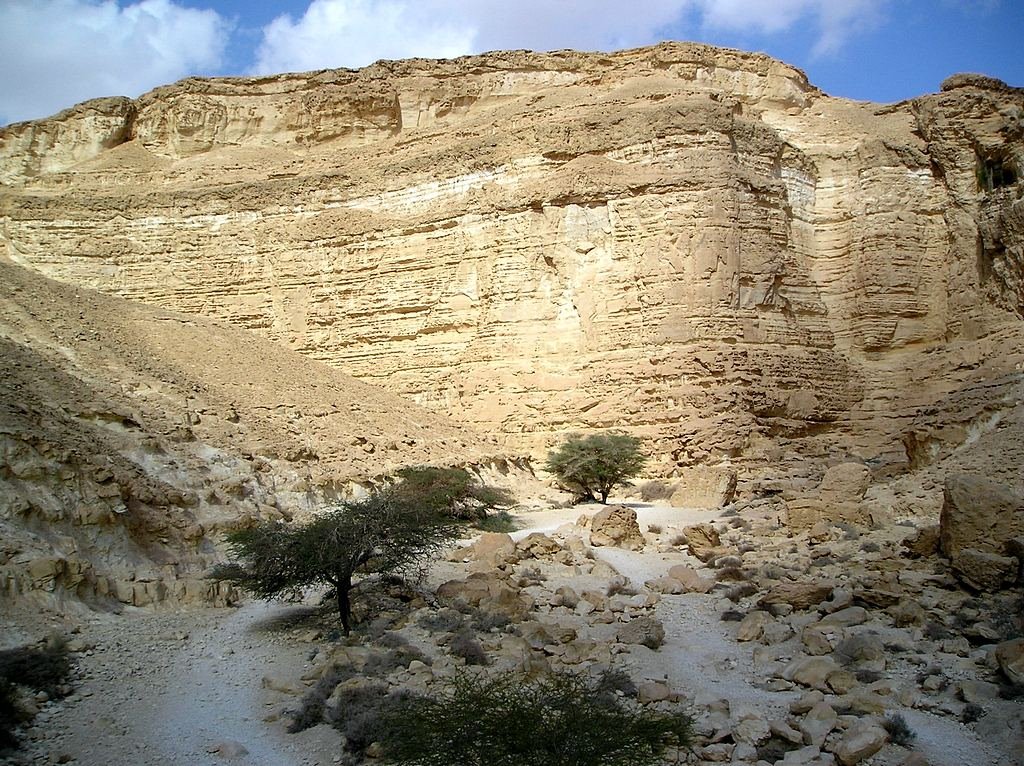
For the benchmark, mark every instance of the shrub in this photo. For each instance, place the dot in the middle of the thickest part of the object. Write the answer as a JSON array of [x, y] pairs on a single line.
[[732, 615], [899, 730], [654, 529], [385, 533], [973, 712], [591, 466], [740, 591], [453, 491], [464, 644], [360, 715], [652, 491], [485, 621], [313, 707], [501, 521], [731, 574], [444, 620], [511, 720]]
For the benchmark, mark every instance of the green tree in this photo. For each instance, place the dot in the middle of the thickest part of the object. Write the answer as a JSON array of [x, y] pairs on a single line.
[[560, 719], [592, 465], [386, 532], [451, 490]]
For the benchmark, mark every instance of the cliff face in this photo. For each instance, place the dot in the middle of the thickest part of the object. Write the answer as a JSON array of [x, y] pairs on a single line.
[[130, 436], [688, 242]]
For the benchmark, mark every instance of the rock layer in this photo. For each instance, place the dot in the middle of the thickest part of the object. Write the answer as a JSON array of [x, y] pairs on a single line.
[[689, 242], [131, 436]]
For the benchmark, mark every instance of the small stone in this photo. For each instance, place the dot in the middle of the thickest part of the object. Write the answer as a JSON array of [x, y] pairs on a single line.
[[818, 723]]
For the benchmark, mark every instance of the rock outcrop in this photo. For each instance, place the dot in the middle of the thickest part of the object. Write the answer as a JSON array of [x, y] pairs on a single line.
[[131, 436], [692, 243]]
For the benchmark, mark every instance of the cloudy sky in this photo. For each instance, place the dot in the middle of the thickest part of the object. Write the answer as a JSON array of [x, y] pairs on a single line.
[[55, 53]]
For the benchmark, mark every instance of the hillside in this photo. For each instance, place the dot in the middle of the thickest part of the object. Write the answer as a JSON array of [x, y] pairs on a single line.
[[131, 435]]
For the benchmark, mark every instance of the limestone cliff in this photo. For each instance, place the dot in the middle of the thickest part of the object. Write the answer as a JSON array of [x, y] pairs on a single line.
[[129, 436], [689, 242]]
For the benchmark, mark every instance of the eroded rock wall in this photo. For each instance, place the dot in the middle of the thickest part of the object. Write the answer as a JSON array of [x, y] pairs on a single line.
[[691, 243], [131, 437]]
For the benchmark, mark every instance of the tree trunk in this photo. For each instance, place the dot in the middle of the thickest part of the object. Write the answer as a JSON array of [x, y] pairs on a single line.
[[604, 496], [343, 586]]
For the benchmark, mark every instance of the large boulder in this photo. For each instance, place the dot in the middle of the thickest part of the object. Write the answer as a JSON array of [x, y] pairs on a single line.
[[980, 514], [703, 540], [642, 630], [488, 592], [799, 595], [1010, 657], [704, 487], [616, 525], [985, 571]]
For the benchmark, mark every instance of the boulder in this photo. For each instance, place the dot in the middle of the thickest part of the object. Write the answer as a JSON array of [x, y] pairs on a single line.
[[703, 540], [704, 487], [818, 723], [488, 592], [616, 525], [537, 545], [925, 542], [812, 672], [799, 595], [647, 631], [1010, 658], [493, 548], [980, 514], [844, 483], [752, 626], [689, 579], [985, 571], [862, 740]]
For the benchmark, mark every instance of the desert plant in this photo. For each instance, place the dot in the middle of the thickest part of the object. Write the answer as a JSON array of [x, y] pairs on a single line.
[[591, 466], [651, 491], [445, 620], [386, 533], [463, 644], [899, 730], [453, 491], [501, 521], [655, 529], [511, 720]]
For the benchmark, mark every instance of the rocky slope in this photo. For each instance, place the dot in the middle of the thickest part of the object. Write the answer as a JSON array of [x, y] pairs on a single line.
[[690, 242], [130, 435]]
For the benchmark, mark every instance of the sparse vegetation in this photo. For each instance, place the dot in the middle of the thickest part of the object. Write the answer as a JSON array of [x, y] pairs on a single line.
[[561, 719], [899, 730], [454, 491], [387, 532], [465, 645], [654, 529], [652, 491], [591, 466]]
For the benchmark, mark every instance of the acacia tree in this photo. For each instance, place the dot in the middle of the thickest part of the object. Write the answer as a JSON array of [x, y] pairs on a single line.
[[592, 465], [452, 490], [385, 532]]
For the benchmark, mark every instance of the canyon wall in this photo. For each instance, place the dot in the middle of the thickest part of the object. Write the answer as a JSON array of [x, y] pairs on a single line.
[[131, 437], [691, 243]]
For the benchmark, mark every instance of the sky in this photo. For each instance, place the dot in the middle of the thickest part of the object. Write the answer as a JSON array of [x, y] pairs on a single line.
[[56, 53]]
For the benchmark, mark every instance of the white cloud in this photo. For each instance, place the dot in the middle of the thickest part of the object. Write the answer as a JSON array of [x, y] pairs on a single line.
[[835, 20], [354, 33], [55, 53], [358, 32]]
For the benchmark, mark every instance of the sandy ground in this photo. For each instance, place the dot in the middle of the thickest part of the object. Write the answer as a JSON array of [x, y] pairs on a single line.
[[185, 688]]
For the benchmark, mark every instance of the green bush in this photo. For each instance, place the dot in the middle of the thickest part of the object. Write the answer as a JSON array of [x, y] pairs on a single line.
[[561, 719], [591, 466], [453, 491]]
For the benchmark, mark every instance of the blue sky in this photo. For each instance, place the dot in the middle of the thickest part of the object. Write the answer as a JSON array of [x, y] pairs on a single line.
[[55, 53]]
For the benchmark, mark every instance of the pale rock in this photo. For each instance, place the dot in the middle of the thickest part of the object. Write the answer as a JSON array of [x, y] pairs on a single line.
[[985, 571], [753, 625], [647, 631], [1010, 657], [690, 580], [703, 540], [704, 487], [862, 740], [816, 725], [616, 525]]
